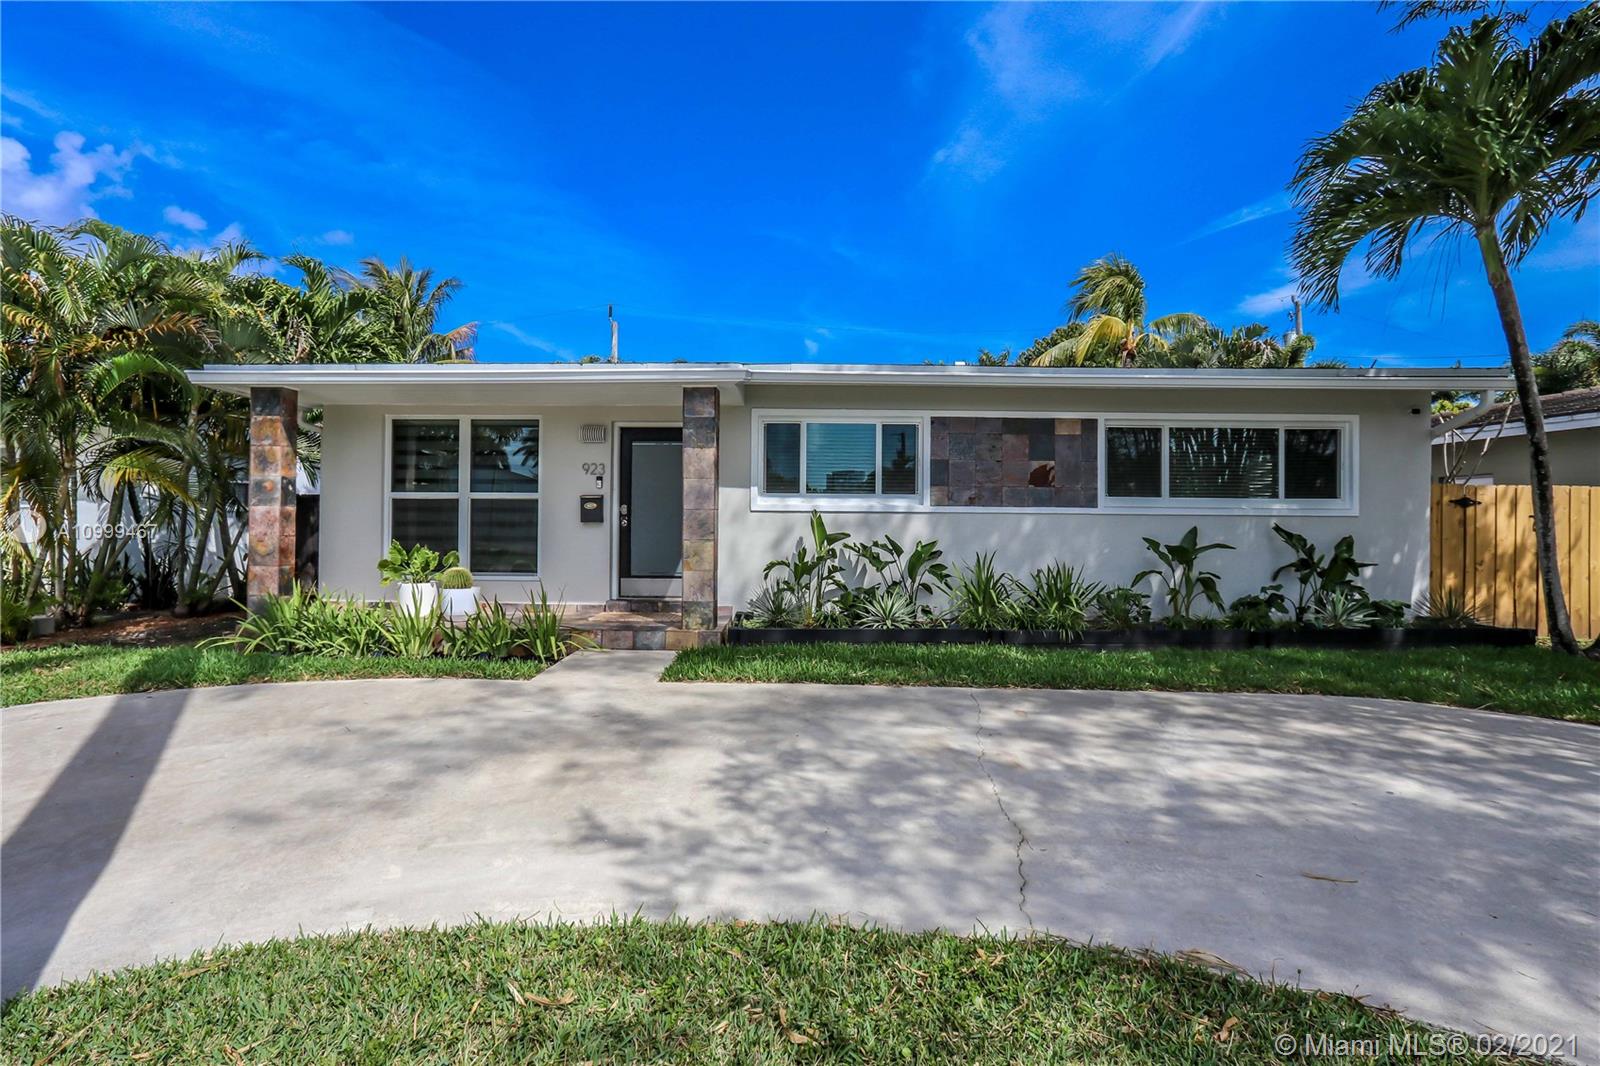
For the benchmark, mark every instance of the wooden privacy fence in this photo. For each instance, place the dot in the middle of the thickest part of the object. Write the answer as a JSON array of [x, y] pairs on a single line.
[[1483, 551]]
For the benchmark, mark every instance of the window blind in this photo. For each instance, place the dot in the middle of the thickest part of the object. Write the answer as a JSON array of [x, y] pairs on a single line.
[[1222, 463]]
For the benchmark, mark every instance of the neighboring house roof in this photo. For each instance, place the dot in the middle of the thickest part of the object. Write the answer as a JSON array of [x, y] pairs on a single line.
[[1573, 409], [463, 382]]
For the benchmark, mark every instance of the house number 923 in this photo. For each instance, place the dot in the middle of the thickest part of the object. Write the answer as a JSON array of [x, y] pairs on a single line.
[[594, 469]]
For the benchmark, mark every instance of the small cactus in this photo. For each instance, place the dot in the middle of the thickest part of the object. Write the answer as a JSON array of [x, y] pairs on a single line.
[[457, 577]]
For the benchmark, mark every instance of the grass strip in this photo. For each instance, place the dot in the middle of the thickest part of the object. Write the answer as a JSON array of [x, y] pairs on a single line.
[[631, 990], [1532, 681], [63, 671]]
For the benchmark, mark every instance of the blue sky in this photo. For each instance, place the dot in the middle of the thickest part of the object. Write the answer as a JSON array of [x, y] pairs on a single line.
[[767, 182]]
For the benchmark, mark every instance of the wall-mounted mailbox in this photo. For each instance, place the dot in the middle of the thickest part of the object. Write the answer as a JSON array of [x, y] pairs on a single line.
[[591, 508]]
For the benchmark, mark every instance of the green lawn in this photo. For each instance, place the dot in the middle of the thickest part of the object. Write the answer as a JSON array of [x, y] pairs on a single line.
[[62, 671], [637, 991], [1532, 681]]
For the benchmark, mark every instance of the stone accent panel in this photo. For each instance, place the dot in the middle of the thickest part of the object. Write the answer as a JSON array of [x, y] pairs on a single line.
[[1014, 462], [702, 409], [274, 421]]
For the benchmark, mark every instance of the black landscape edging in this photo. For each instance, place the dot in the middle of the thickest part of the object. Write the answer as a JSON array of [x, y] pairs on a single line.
[[1154, 637]]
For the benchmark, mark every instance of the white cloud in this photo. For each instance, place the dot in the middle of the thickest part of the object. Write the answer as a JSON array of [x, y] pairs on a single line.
[[1271, 301], [1276, 204], [528, 340], [1176, 33], [338, 236], [812, 347], [1033, 61], [28, 102], [64, 194], [187, 219], [232, 233]]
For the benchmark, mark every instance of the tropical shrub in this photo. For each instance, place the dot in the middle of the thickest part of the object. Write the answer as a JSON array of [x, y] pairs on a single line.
[[1181, 572], [540, 634], [814, 574], [980, 596], [487, 633], [1320, 575], [414, 566], [916, 573], [1121, 607], [1258, 611], [1056, 597]]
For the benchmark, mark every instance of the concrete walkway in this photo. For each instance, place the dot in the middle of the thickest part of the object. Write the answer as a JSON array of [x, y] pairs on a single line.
[[1443, 861]]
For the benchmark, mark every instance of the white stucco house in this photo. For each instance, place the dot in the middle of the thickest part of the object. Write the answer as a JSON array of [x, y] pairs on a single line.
[[1491, 446], [606, 482]]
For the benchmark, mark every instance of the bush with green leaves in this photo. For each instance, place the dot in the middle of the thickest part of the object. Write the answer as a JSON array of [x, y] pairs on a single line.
[[1121, 607], [813, 575], [1259, 611], [455, 577], [487, 633], [541, 634], [774, 607], [302, 622], [1320, 576], [1056, 597], [1185, 581], [415, 565], [917, 573], [980, 596]]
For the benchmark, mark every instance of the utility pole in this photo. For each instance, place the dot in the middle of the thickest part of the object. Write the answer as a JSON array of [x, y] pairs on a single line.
[[1297, 315], [611, 314]]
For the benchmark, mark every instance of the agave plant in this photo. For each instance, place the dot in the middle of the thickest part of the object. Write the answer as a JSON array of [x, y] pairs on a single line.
[[1344, 609], [887, 607], [774, 607]]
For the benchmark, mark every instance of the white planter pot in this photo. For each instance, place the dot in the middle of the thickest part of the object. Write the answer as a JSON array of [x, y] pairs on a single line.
[[458, 603], [417, 599]]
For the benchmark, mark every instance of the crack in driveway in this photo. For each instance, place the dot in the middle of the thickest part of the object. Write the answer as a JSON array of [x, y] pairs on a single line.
[[1022, 837]]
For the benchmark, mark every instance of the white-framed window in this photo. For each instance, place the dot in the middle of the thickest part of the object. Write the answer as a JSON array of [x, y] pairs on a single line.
[[469, 485], [840, 459], [1230, 464]]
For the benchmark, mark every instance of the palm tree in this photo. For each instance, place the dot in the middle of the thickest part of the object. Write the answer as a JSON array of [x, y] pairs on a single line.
[[1573, 362], [405, 309], [1494, 140], [1108, 304], [323, 320]]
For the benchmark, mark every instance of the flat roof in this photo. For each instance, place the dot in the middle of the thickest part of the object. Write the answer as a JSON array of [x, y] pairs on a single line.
[[332, 382]]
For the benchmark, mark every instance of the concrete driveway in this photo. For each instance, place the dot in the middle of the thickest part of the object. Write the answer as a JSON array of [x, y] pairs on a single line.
[[1443, 861]]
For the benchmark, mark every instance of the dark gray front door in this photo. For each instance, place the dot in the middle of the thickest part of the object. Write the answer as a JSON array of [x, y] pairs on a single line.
[[650, 511]]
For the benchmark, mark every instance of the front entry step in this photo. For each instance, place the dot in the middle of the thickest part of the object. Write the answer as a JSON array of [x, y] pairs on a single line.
[[646, 605]]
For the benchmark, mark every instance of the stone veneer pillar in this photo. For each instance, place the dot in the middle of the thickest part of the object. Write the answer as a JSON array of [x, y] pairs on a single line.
[[274, 421], [701, 414]]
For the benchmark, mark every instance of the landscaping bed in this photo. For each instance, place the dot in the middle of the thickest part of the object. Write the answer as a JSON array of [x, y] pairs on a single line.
[[1532, 681], [630, 990]]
